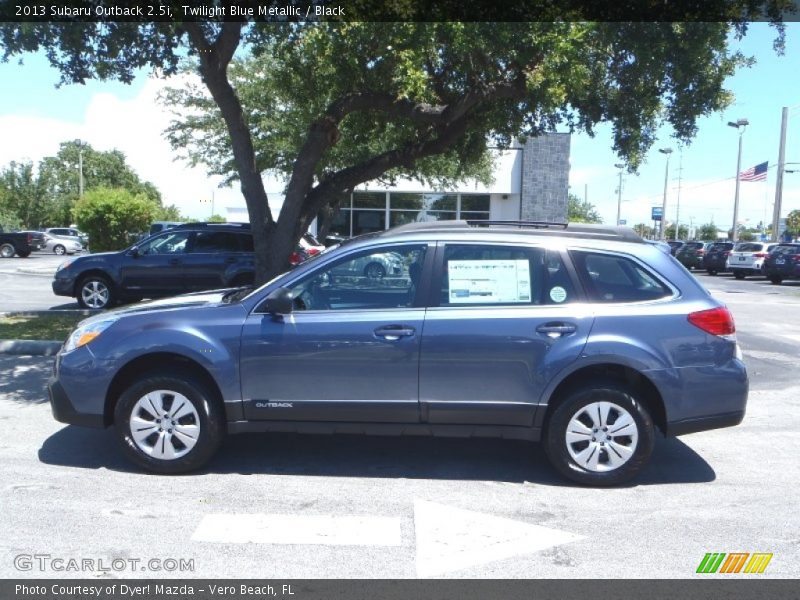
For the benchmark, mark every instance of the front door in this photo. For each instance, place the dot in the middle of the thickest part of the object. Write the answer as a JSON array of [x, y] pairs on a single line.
[[156, 269], [349, 351]]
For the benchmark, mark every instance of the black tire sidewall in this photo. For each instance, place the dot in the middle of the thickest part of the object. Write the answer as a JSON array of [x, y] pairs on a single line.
[[212, 423], [555, 431], [5, 246]]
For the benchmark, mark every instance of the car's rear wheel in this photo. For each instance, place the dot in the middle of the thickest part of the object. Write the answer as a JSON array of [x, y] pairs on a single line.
[[775, 280], [59, 249], [739, 275], [95, 291], [7, 251], [599, 435], [711, 271], [169, 423], [375, 271]]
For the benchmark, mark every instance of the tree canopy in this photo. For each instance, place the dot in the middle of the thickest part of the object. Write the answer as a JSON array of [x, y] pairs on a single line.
[[581, 211], [334, 105]]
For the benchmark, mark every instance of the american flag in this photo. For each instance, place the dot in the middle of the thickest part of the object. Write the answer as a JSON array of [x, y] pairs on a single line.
[[757, 173]]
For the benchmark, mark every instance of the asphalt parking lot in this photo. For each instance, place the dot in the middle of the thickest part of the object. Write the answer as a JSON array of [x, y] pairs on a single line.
[[290, 506]]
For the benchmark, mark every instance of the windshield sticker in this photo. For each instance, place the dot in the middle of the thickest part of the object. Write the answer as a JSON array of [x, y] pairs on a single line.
[[558, 294], [489, 281]]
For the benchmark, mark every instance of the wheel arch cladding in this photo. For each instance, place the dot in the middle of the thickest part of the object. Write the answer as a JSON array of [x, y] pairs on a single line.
[[165, 363], [644, 389]]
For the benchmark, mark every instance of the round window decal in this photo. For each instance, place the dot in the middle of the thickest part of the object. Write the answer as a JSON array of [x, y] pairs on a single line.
[[558, 294]]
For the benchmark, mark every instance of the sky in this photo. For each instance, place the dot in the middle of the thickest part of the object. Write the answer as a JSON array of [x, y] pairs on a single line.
[[35, 117]]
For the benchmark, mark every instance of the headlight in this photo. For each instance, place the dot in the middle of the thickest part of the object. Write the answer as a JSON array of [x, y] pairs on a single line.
[[63, 265], [86, 333]]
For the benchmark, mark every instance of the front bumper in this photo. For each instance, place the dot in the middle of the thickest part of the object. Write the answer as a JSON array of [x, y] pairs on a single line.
[[63, 287], [64, 411]]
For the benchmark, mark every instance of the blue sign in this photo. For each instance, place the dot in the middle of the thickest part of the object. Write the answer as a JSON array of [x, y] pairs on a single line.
[[622, 222], [657, 213]]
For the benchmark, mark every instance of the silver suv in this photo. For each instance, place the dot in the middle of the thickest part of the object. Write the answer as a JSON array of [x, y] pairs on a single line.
[[582, 337]]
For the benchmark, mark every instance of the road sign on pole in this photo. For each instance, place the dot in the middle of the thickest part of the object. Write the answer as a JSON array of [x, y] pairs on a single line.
[[657, 213]]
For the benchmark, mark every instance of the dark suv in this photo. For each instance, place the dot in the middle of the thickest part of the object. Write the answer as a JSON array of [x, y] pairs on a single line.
[[186, 258], [715, 259], [583, 337], [691, 254], [782, 263]]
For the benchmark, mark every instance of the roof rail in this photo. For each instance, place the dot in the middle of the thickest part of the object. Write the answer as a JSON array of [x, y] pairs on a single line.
[[210, 224], [534, 224]]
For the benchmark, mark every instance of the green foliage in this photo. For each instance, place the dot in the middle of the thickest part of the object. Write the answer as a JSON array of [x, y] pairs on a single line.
[[8, 220], [683, 232], [109, 215], [793, 222], [216, 219], [580, 211], [707, 232], [645, 231], [169, 213]]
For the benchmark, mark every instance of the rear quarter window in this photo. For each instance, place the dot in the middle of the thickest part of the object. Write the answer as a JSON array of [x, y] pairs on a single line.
[[610, 278]]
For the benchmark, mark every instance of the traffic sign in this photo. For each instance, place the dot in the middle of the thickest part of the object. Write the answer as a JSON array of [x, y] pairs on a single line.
[[657, 213]]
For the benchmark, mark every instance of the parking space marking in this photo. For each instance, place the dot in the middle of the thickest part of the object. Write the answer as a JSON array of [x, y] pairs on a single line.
[[327, 530], [451, 539]]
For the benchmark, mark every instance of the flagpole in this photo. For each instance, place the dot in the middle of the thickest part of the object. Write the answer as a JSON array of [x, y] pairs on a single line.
[[740, 127]]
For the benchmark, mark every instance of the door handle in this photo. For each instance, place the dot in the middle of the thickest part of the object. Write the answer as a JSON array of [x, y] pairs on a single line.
[[393, 333], [556, 329]]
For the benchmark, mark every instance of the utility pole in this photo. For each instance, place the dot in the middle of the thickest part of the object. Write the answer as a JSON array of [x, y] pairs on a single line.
[[620, 166], [776, 214], [663, 232], [678, 202], [586, 193], [80, 169], [740, 126]]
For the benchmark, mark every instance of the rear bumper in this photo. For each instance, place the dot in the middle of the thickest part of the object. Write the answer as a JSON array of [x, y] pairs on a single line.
[[705, 423]]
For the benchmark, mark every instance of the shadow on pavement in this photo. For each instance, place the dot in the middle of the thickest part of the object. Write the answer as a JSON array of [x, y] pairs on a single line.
[[357, 456], [23, 378]]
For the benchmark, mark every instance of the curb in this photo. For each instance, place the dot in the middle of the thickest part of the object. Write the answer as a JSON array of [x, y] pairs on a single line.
[[56, 312], [35, 271], [30, 347]]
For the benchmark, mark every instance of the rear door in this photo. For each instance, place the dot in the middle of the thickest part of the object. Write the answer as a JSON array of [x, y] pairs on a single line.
[[210, 254], [503, 320]]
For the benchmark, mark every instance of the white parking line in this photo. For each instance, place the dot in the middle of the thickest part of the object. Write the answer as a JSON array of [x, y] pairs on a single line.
[[327, 530]]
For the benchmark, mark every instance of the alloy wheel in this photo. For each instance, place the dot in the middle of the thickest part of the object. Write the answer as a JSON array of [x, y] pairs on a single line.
[[95, 294], [601, 437], [164, 424]]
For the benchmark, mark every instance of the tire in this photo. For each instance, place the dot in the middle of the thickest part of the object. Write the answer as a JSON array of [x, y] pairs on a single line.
[[59, 249], [711, 271], [168, 449], [24, 254], [576, 414], [7, 251], [95, 291], [739, 274], [375, 271], [775, 280]]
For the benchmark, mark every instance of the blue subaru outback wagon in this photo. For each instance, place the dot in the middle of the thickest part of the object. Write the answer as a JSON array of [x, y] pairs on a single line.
[[581, 337]]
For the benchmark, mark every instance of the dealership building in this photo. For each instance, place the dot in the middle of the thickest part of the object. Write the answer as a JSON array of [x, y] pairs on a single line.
[[530, 183]]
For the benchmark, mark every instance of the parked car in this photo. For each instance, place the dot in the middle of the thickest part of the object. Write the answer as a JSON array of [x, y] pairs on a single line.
[[783, 263], [580, 336], [21, 243], [715, 258], [62, 245], [691, 254], [185, 258], [675, 245], [311, 245], [747, 258], [663, 246], [68, 232]]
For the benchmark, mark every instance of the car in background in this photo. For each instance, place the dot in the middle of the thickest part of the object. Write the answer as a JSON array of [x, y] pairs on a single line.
[[185, 258], [68, 232], [62, 245], [747, 258], [661, 245], [691, 254], [715, 258], [675, 245], [21, 243], [783, 263], [582, 337], [311, 245]]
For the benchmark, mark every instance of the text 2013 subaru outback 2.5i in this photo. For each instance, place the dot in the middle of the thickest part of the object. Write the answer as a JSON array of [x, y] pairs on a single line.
[[582, 337]]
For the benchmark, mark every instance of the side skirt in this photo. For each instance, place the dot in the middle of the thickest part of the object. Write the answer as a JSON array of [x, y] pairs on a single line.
[[532, 434]]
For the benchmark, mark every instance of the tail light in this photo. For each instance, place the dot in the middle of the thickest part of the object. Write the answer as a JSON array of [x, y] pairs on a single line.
[[700, 251], [760, 255], [796, 258], [727, 253], [295, 258], [30, 238], [716, 321], [312, 251]]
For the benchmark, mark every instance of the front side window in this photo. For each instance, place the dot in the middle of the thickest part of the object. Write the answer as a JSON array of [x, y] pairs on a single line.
[[610, 278], [503, 275], [380, 279], [168, 243]]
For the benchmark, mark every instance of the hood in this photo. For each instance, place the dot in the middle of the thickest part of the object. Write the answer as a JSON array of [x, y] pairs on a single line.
[[193, 300]]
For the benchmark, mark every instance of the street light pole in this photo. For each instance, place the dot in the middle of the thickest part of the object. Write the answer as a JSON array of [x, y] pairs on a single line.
[[740, 126], [776, 213], [80, 169], [663, 232], [619, 193]]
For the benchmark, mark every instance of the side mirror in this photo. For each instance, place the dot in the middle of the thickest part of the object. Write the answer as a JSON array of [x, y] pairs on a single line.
[[279, 302], [134, 252]]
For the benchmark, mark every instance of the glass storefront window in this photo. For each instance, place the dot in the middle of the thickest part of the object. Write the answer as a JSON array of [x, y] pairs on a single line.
[[474, 216], [408, 201], [365, 221], [369, 200], [475, 203], [401, 217]]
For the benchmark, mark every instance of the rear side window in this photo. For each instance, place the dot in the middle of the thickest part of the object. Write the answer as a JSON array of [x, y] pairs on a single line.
[[611, 278], [478, 275], [215, 241], [787, 250]]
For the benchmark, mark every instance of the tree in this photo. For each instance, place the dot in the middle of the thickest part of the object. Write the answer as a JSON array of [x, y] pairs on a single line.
[[580, 211], [793, 222], [340, 104], [109, 215], [683, 232], [707, 232], [645, 231]]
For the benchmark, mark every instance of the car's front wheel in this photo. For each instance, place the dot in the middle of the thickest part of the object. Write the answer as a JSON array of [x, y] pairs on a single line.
[[168, 423], [775, 280], [95, 291], [59, 249], [599, 435], [375, 271]]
